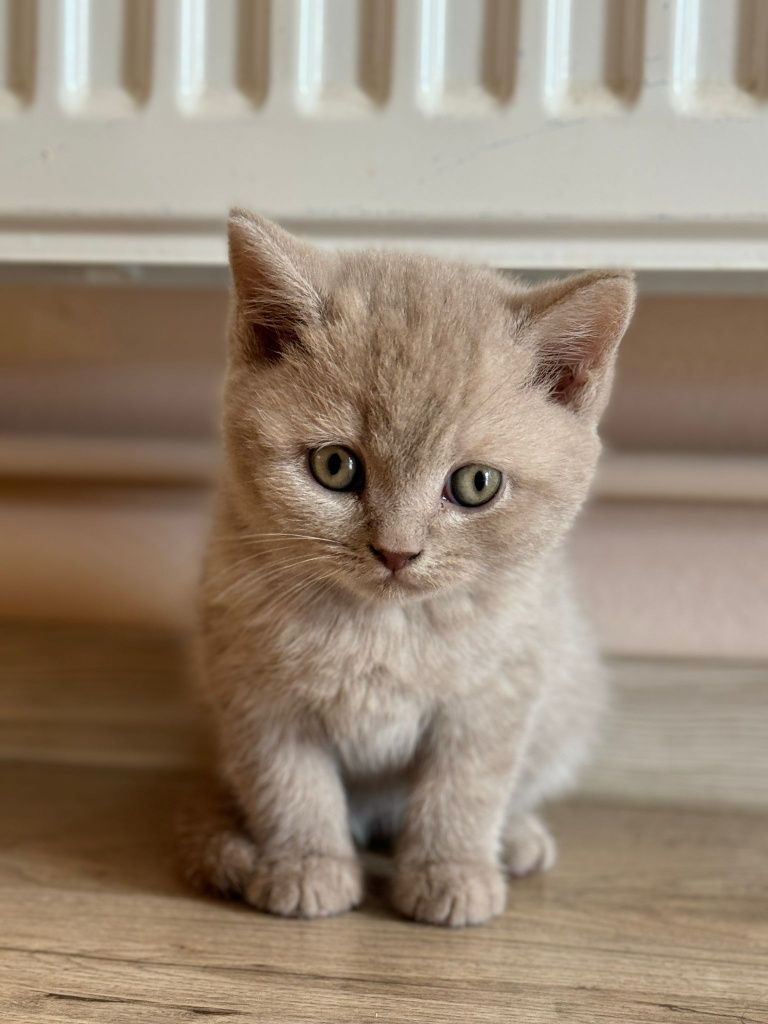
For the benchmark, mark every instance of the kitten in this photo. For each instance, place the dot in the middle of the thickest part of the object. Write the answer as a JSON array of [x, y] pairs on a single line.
[[388, 636]]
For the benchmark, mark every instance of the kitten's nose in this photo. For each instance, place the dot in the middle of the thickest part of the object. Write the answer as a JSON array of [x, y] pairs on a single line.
[[394, 560]]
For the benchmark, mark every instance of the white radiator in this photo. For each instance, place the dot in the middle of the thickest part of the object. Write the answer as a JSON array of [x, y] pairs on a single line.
[[534, 133]]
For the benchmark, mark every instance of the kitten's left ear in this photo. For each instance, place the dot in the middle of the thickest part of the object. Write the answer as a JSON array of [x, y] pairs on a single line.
[[575, 326], [278, 282]]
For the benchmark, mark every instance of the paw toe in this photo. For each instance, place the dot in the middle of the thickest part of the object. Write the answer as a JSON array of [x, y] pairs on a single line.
[[449, 894], [528, 847], [305, 887]]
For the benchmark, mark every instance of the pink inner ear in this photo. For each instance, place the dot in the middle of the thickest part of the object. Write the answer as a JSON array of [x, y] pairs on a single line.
[[277, 280], [563, 382], [576, 335], [566, 385], [275, 319], [267, 342]]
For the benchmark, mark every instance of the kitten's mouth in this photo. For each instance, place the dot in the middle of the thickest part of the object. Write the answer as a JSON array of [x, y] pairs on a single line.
[[393, 590], [380, 583], [394, 586]]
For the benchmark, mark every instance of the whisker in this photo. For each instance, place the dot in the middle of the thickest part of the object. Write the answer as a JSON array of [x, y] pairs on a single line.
[[284, 603], [290, 597], [282, 534], [243, 578], [263, 556], [257, 580]]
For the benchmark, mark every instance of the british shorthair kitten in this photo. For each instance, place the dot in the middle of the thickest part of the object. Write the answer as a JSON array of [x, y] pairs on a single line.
[[389, 641]]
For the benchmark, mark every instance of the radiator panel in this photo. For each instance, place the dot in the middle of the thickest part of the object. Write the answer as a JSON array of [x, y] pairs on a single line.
[[524, 133]]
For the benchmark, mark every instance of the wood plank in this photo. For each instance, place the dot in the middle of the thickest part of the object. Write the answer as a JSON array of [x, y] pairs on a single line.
[[651, 915]]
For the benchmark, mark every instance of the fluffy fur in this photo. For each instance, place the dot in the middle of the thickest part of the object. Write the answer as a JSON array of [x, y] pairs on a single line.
[[438, 705]]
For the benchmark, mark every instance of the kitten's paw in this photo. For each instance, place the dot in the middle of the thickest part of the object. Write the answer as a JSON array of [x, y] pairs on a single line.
[[449, 893], [305, 886], [527, 846]]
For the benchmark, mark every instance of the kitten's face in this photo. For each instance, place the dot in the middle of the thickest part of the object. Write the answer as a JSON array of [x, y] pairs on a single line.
[[404, 426]]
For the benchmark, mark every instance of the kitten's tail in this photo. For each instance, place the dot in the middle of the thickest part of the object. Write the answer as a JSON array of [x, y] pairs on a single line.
[[215, 854]]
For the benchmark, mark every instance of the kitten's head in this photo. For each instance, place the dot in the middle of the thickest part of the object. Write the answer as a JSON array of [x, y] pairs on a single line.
[[403, 425]]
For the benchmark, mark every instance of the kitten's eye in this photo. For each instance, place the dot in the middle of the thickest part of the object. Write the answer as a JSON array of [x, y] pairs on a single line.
[[473, 485], [335, 467]]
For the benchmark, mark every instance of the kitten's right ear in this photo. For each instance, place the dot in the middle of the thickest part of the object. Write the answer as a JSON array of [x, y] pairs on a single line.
[[277, 281], [575, 325]]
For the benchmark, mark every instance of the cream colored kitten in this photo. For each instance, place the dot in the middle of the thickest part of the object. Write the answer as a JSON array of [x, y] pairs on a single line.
[[388, 637]]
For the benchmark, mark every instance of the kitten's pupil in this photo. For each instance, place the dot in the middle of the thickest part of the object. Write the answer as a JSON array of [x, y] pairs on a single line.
[[334, 464], [480, 481]]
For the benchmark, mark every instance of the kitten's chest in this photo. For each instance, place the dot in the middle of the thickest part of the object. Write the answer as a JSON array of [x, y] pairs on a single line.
[[371, 689], [373, 730]]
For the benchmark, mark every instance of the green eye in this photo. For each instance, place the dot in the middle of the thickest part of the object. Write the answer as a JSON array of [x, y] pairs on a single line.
[[335, 467], [473, 485]]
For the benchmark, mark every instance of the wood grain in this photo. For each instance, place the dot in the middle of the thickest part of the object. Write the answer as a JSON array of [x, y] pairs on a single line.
[[652, 915]]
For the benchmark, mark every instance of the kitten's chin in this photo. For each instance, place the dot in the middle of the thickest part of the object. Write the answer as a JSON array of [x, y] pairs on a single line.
[[386, 590], [400, 593], [395, 590]]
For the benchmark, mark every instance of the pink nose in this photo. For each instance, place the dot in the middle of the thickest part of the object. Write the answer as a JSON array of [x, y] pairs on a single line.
[[395, 560]]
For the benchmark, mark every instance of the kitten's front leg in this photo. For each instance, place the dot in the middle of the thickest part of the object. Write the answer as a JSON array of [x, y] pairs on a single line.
[[289, 790], [447, 866]]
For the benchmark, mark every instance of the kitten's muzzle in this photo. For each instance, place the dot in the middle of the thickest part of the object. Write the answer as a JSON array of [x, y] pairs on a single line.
[[394, 560]]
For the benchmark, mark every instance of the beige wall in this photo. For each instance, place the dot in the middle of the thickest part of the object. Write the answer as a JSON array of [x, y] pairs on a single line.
[[693, 374], [693, 371], [145, 364]]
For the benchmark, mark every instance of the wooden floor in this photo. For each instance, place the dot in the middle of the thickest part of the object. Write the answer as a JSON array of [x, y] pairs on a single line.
[[652, 914]]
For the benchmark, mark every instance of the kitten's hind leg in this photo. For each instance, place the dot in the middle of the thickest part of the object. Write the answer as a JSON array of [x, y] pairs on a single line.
[[527, 846], [215, 853]]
